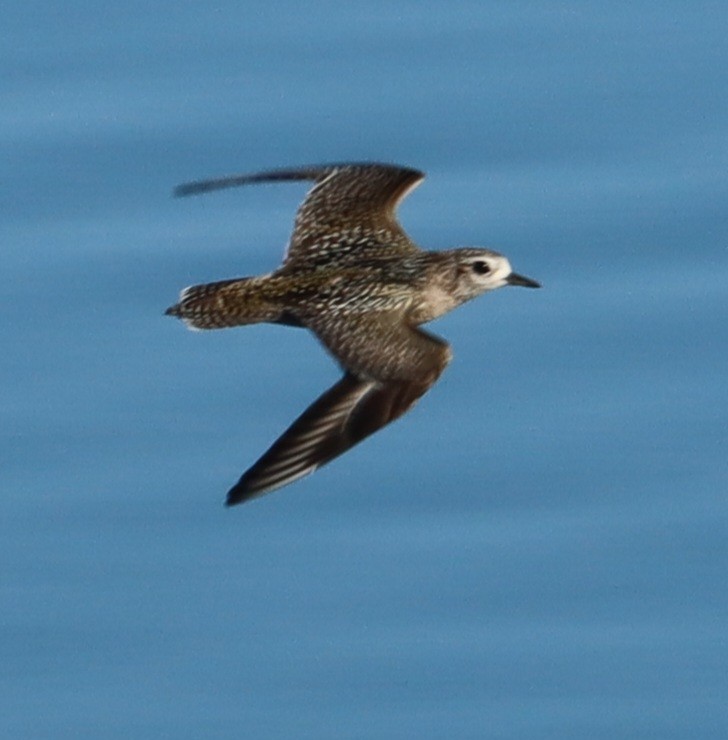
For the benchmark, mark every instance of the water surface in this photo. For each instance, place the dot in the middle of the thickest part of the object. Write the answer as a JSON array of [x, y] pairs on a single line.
[[538, 549]]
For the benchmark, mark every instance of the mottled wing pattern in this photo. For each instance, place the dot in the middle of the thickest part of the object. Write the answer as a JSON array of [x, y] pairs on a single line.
[[351, 410], [351, 213], [348, 214], [381, 345]]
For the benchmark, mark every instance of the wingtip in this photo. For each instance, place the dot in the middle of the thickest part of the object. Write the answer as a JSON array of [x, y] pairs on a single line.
[[230, 500], [187, 188], [237, 495], [309, 172], [247, 488]]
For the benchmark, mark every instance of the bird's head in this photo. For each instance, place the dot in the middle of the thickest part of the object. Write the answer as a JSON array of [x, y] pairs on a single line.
[[481, 270]]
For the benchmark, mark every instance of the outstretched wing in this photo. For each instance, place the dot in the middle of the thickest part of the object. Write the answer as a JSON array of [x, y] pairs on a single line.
[[348, 214], [352, 409]]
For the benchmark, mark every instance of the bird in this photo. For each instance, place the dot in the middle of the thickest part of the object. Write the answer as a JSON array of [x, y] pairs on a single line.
[[353, 277]]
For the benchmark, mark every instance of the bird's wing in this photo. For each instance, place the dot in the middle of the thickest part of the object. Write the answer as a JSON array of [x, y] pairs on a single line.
[[356, 406], [349, 213]]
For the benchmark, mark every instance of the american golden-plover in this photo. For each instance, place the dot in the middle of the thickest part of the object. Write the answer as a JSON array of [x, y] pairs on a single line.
[[354, 278]]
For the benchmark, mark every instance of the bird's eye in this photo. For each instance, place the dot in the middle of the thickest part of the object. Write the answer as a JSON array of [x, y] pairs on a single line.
[[481, 268]]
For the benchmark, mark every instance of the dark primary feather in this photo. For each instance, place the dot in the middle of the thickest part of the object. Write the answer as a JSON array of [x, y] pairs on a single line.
[[232, 181], [358, 405], [314, 173], [349, 210], [344, 415]]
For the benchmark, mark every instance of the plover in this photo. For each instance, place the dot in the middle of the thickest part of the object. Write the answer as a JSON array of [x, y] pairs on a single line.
[[355, 279]]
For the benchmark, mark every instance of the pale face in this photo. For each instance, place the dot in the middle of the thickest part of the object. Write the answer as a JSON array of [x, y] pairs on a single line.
[[480, 270]]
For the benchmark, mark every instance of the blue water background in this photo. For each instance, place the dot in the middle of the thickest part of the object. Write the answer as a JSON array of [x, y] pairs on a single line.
[[540, 549]]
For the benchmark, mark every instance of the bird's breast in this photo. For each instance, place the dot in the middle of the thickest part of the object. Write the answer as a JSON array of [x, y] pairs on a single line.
[[431, 302]]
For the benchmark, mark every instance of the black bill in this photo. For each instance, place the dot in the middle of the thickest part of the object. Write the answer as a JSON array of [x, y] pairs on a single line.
[[524, 282]]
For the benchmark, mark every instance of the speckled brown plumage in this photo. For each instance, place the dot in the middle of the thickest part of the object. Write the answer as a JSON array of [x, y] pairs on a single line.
[[353, 277]]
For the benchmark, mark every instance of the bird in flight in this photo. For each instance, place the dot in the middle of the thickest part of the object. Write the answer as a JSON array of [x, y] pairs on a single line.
[[353, 277]]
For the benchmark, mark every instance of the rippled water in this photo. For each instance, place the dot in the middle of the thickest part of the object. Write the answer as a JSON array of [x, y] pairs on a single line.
[[539, 549]]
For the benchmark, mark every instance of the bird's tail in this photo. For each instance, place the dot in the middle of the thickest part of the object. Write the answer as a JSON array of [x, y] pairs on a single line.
[[226, 303]]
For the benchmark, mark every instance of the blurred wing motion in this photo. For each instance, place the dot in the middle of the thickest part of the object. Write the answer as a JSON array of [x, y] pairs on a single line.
[[351, 210]]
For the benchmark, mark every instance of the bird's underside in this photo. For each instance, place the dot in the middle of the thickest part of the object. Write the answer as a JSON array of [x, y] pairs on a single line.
[[347, 218]]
